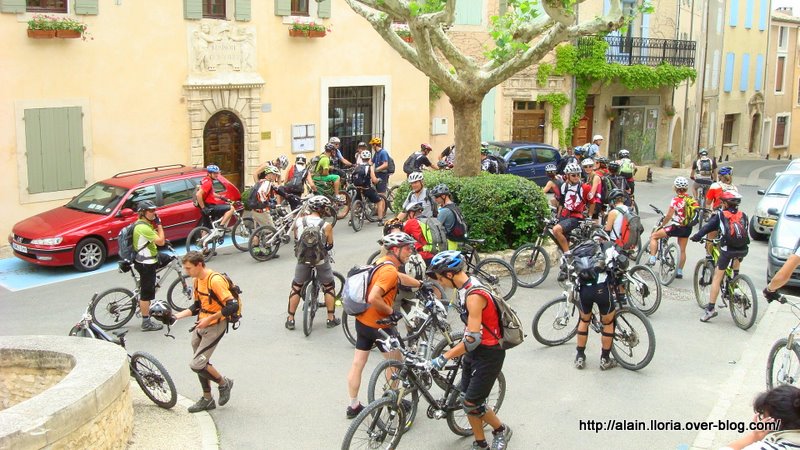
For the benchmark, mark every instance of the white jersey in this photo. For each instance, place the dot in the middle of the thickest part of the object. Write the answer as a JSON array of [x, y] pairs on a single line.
[[308, 221], [616, 228]]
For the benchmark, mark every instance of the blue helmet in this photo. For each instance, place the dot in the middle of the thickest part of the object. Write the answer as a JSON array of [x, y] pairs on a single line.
[[446, 261], [579, 150], [725, 170], [212, 168]]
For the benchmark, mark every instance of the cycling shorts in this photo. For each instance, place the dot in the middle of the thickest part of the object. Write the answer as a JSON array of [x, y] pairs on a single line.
[[678, 231], [367, 336], [480, 369], [596, 294], [726, 256], [568, 224]]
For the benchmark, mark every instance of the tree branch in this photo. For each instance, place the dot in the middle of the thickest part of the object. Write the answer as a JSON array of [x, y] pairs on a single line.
[[382, 25], [459, 60]]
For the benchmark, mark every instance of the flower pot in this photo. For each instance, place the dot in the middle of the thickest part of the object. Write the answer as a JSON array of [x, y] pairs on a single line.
[[41, 34], [408, 39], [301, 33], [68, 34]]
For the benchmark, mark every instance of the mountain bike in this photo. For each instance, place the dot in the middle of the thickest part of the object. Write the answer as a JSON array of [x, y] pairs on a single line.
[[148, 372], [737, 292], [341, 203], [667, 255], [313, 297], [362, 209], [783, 363], [530, 262], [494, 273], [205, 240], [115, 307], [267, 239]]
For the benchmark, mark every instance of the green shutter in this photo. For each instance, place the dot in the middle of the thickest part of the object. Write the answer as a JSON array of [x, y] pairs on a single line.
[[242, 10], [469, 12], [86, 7], [54, 149], [487, 116], [503, 7], [12, 6], [193, 9], [283, 7], [324, 9]]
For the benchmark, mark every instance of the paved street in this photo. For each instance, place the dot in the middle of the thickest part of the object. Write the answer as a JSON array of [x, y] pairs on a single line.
[[290, 390]]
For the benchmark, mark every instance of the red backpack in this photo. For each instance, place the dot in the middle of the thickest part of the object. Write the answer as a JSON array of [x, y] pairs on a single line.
[[630, 231], [734, 229]]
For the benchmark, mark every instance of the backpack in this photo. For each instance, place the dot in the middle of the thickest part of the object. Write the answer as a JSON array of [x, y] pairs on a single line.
[[618, 182], [690, 212], [295, 185], [435, 234], [705, 166], [630, 231], [429, 199], [626, 167], [734, 229], [390, 168], [314, 163], [410, 166], [252, 197], [310, 246], [459, 231], [361, 177], [502, 165], [354, 292], [235, 290], [197, 188], [125, 241], [607, 186], [511, 334]]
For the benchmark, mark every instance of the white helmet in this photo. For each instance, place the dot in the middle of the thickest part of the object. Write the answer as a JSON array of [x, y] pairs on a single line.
[[415, 176], [624, 153], [365, 154], [597, 137], [681, 183], [319, 203], [283, 162], [397, 239], [334, 140], [588, 162], [550, 168], [572, 168]]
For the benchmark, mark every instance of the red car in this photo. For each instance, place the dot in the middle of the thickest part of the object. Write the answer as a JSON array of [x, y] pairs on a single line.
[[83, 233]]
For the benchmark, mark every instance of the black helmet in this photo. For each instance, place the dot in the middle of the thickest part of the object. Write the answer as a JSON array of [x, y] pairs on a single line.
[[329, 147], [145, 205], [415, 207], [159, 310], [615, 193], [613, 166], [440, 189], [391, 225]]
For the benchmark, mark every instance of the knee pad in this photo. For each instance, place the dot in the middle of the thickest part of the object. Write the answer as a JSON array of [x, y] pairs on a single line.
[[588, 320], [296, 288], [583, 333], [328, 289], [475, 410], [604, 334]]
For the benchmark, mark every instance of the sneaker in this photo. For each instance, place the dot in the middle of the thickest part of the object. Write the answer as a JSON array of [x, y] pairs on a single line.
[[353, 412], [204, 404], [678, 274], [149, 325], [289, 324], [607, 363], [580, 362], [225, 391], [476, 446], [708, 315], [651, 261], [562, 275], [500, 441], [331, 323]]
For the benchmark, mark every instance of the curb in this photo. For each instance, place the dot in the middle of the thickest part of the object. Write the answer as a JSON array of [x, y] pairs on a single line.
[[205, 423]]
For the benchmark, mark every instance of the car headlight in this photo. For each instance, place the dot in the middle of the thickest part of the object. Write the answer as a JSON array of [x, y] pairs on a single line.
[[781, 252], [47, 241]]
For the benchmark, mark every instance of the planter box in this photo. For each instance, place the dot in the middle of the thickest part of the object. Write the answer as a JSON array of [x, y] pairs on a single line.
[[41, 34], [68, 34], [408, 39], [311, 34]]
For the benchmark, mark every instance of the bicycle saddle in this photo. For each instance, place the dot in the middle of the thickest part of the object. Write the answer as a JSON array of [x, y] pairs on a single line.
[[476, 241]]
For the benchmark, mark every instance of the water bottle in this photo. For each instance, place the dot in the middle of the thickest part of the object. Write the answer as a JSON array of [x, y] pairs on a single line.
[[423, 348]]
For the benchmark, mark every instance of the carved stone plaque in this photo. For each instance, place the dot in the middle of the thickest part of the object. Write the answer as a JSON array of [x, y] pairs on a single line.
[[220, 46]]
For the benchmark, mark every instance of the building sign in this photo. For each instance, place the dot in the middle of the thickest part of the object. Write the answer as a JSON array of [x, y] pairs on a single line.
[[219, 46]]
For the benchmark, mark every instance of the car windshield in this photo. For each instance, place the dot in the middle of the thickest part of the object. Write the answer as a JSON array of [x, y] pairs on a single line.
[[500, 151], [99, 198], [784, 184], [793, 204]]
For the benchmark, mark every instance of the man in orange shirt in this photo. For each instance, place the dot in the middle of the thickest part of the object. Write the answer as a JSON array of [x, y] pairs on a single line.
[[382, 291]]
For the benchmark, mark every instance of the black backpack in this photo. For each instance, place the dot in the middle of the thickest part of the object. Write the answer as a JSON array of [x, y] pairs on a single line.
[[361, 176], [310, 245], [252, 197], [733, 232], [459, 231], [235, 291], [619, 182], [410, 166], [125, 241], [502, 165], [296, 184], [390, 168]]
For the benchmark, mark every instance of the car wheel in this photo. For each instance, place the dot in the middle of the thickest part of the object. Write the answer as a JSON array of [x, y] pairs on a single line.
[[90, 253], [755, 235]]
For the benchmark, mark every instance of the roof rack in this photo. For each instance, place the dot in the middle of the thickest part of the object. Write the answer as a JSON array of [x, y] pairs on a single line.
[[182, 172], [149, 169]]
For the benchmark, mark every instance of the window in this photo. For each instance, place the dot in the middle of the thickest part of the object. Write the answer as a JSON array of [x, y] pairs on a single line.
[[300, 7], [528, 106], [175, 191], [781, 131], [54, 149], [545, 155], [779, 69], [522, 156], [140, 195], [783, 38], [728, 129], [55, 6], [214, 9]]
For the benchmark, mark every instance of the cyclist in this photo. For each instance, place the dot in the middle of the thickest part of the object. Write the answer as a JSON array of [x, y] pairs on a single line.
[[580, 155], [704, 172], [567, 159], [380, 160], [213, 205], [297, 178], [488, 164], [265, 192], [483, 356], [364, 178], [574, 198], [419, 194], [783, 275], [596, 188], [674, 225], [602, 166], [730, 223], [322, 174], [724, 183], [148, 233], [618, 181], [447, 158], [382, 291], [419, 230], [450, 215], [360, 151], [338, 159], [594, 148], [421, 159], [553, 184], [314, 253], [615, 216], [213, 301], [627, 168], [281, 163]]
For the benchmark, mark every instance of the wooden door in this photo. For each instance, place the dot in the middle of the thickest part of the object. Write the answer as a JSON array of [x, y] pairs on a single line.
[[582, 133], [223, 145], [528, 126]]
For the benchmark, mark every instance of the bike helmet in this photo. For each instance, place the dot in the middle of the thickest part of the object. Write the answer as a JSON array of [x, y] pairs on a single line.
[[602, 160], [300, 160], [375, 141], [613, 167], [397, 239], [588, 162], [160, 310], [283, 162], [726, 170], [446, 261], [440, 189], [624, 153], [484, 150], [272, 170], [334, 140], [550, 168], [319, 203], [597, 137], [425, 148], [614, 194], [392, 224], [703, 152], [572, 168], [415, 207], [681, 183], [731, 197], [145, 205], [579, 150], [366, 154], [329, 147], [415, 176], [362, 144], [212, 168]]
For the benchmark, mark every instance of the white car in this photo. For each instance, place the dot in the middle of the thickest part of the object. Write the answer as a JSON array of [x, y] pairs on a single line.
[[761, 222]]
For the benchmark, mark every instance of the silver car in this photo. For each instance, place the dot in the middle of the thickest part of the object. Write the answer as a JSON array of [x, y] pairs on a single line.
[[761, 222], [785, 237]]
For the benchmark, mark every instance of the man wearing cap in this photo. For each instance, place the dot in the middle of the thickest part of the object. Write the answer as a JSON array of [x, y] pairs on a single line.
[[594, 147], [147, 235]]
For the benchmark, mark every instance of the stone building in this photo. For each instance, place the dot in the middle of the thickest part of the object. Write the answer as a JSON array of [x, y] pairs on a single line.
[[782, 112]]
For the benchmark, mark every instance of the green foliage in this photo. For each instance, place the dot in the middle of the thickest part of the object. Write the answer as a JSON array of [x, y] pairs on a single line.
[[542, 73], [504, 28], [434, 92], [506, 210], [557, 100], [425, 6]]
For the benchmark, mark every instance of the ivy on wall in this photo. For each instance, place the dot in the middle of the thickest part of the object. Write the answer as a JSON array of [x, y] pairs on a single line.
[[557, 101]]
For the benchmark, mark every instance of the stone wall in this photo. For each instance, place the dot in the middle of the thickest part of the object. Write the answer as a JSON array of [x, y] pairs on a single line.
[[18, 384]]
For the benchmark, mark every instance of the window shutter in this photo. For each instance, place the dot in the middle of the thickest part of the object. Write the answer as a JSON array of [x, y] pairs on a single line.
[[744, 77], [763, 16], [193, 9], [729, 61], [283, 7], [324, 9], [469, 13], [12, 6], [487, 116], [86, 7], [242, 10], [54, 149], [759, 83], [733, 16], [750, 11]]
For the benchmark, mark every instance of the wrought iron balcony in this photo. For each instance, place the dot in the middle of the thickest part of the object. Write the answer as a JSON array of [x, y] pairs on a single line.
[[645, 51]]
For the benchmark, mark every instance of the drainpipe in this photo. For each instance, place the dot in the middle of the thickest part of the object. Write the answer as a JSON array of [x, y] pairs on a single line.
[[686, 92], [703, 72]]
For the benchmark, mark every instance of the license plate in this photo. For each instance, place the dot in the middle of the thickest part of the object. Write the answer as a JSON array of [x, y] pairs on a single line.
[[19, 248], [767, 222]]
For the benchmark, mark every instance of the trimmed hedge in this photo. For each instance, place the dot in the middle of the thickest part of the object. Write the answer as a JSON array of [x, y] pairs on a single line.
[[506, 210]]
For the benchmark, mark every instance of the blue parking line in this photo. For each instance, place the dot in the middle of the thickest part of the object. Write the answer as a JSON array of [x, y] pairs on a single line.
[[18, 275]]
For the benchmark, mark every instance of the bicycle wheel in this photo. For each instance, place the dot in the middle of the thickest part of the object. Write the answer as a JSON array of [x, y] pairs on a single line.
[[371, 209], [457, 420], [668, 264], [154, 379], [312, 295], [373, 257], [113, 308], [381, 382], [349, 328], [531, 265], [195, 242], [783, 364], [703, 273], [640, 283], [344, 205], [180, 294], [442, 346], [260, 247], [497, 274], [634, 339], [556, 322], [241, 233], [743, 301], [357, 215], [379, 426], [390, 197]]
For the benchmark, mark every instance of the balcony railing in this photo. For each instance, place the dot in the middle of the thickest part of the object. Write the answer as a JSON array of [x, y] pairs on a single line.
[[645, 51]]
